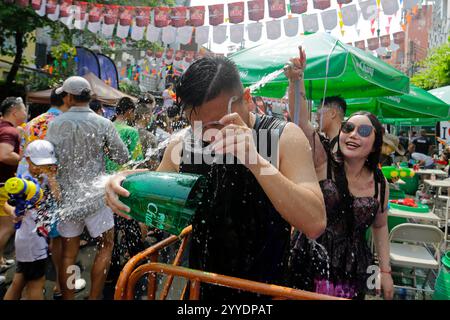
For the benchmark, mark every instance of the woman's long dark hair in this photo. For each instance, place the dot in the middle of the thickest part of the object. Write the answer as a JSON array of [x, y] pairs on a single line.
[[372, 162]]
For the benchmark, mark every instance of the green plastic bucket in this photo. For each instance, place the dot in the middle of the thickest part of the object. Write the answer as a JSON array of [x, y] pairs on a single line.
[[166, 201], [411, 185], [442, 286]]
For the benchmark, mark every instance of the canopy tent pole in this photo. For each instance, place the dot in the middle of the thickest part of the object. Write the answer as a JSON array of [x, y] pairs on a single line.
[[310, 101]]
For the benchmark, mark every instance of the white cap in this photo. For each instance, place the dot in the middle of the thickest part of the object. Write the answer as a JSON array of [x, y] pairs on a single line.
[[74, 85], [40, 152]]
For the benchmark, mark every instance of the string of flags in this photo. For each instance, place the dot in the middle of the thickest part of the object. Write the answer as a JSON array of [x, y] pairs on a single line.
[[219, 22]]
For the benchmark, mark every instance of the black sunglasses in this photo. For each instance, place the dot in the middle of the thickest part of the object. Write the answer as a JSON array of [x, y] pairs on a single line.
[[364, 130]]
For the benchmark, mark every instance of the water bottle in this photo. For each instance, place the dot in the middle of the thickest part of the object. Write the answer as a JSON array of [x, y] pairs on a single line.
[[166, 201]]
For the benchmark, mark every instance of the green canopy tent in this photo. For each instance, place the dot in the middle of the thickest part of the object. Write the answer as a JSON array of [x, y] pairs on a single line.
[[411, 122], [333, 68], [417, 104], [415, 108]]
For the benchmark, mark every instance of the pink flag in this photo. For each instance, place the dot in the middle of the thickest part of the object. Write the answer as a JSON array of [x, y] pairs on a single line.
[[162, 17], [255, 10], [277, 8], [236, 12], [178, 16], [216, 14], [197, 16]]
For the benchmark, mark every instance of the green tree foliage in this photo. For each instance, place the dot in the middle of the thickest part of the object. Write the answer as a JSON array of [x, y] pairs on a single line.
[[17, 25], [16, 30], [435, 69]]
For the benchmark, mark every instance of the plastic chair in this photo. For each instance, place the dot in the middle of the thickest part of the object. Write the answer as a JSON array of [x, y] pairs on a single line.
[[443, 213], [408, 248]]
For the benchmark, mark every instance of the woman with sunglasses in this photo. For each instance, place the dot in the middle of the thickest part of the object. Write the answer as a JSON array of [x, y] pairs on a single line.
[[356, 198]]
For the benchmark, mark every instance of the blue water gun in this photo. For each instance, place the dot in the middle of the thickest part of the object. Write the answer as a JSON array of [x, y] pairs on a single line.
[[24, 193]]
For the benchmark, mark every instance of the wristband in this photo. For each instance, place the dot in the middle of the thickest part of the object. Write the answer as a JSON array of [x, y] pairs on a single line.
[[388, 272]]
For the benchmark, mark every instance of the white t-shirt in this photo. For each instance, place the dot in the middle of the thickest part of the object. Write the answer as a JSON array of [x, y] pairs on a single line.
[[422, 157], [28, 244]]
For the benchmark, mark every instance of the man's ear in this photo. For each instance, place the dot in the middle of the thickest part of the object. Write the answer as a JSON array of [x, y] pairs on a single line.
[[333, 113]]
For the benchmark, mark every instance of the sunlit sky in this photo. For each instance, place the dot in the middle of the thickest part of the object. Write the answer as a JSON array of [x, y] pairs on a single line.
[[350, 35]]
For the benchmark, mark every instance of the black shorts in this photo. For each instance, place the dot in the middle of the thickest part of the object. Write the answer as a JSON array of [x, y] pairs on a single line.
[[32, 270]]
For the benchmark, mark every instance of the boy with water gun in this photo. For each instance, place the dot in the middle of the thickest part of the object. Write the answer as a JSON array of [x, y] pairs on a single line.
[[33, 197]]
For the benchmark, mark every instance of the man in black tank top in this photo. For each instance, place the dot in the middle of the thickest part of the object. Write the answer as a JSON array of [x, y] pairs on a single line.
[[260, 180]]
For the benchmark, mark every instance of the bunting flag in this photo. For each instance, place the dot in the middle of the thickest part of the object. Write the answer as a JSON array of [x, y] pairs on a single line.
[[310, 22], [169, 34], [255, 10], [341, 22], [66, 13], [373, 43], [321, 4], [254, 31], [141, 22], [162, 17], [349, 15], [153, 33], [237, 33], [80, 15], [219, 34], [184, 34], [385, 41], [389, 6], [277, 8], [360, 44], [291, 26], [299, 6], [197, 16], [368, 9], [329, 19], [216, 14], [180, 24], [201, 35], [94, 18], [52, 10], [125, 16], [110, 18], [178, 16], [236, 13], [273, 29]]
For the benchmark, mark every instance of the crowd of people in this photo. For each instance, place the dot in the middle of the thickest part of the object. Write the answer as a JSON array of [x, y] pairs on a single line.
[[261, 220]]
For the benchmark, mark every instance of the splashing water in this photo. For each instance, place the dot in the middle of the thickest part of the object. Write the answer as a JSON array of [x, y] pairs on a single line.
[[322, 254], [266, 79], [87, 199]]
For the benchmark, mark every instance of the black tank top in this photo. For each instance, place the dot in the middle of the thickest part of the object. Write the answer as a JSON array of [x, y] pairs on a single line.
[[236, 229]]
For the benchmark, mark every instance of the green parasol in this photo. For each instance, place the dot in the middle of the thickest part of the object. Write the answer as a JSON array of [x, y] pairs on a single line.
[[333, 68]]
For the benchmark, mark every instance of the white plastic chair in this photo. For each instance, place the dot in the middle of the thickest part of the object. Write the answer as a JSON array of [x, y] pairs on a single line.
[[408, 248], [443, 213]]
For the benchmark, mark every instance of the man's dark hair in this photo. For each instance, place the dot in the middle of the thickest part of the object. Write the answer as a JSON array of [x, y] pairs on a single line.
[[57, 99], [124, 105], [206, 79], [336, 102], [95, 105], [8, 105], [85, 96], [146, 98]]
